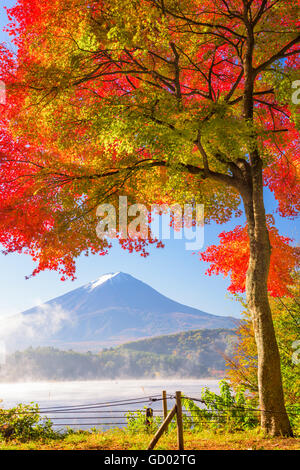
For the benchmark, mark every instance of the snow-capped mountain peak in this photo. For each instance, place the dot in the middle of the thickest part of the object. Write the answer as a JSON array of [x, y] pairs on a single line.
[[101, 280], [116, 308]]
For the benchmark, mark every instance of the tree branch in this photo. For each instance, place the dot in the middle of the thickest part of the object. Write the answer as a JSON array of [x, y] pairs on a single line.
[[279, 55]]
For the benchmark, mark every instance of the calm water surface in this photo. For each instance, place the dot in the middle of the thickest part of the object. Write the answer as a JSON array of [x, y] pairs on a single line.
[[84, 404]]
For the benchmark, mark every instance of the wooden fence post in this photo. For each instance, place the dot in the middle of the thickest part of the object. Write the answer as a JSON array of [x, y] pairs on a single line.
[[162, 428], [179, 421], [149, 414], [165, 405]]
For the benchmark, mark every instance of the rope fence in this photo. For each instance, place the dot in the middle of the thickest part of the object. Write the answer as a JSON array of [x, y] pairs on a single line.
[[93, 414], [244, 408], [124, 412]]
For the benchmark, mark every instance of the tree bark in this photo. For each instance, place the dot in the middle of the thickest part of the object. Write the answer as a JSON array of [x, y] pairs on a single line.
[[274, 419]]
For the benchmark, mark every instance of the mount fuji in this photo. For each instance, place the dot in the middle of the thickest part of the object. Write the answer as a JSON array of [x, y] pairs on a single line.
[[111, 310]]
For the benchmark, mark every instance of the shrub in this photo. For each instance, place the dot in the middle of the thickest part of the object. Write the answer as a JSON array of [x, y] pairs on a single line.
[[24, 422], [136, 422], [224, 411]]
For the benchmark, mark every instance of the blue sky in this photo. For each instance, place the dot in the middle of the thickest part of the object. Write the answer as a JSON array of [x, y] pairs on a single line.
[[173, 271]]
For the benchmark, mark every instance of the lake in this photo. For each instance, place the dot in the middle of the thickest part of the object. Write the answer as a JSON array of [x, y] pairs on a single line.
[[87, 404]]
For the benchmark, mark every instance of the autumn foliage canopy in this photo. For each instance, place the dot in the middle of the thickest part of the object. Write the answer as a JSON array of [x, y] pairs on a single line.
[[125, 97], [231, 258]]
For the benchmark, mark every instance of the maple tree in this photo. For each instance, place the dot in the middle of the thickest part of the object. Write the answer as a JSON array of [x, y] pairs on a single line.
[[163, 101], [231, 258], [242, 367]]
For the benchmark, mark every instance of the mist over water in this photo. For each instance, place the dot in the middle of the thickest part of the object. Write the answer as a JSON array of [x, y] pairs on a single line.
[[79, 392], [20, 331], [54, 394]]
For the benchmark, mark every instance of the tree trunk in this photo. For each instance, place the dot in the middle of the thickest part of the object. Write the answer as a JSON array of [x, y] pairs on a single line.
[[274, 419]]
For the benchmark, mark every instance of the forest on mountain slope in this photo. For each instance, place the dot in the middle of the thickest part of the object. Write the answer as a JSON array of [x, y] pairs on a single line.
[[196, 353]]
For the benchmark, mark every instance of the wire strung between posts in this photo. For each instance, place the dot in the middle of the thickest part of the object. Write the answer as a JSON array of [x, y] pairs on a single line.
[[189, 415], [132, 401], [113, 423], [106, 403], [87, 424], [239, 408], [92, 406], [96, 408], [87, 417], [79, 409], [87, 411]]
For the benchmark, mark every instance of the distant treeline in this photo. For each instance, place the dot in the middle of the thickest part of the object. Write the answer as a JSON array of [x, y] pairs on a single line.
[[196, 353]]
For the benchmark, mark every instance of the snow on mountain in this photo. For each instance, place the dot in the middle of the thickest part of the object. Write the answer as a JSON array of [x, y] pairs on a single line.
[[117, 308], [101, 280]]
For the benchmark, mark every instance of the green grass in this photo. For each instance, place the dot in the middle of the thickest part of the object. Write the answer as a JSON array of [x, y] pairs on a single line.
[[117, 439]]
